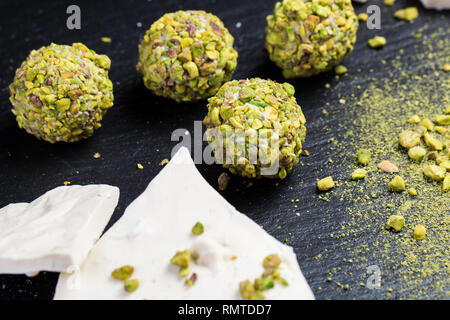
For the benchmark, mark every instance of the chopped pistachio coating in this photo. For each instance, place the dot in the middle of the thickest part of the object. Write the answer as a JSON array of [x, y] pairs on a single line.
[[307, 37], [419, 232], [122, 273], [256, 128], [396, 222], [417, 153], [131, 285], [61, 92], [443, 120], [435, 172], [412, 192], [272, 261], [181, 259], [187, 56], [325, 184], [197, 229], [433, 142], [428, 124], [397, 184], [407, 14]]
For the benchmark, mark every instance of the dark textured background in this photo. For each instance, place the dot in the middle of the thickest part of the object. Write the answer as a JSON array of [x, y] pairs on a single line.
[[138, 127]]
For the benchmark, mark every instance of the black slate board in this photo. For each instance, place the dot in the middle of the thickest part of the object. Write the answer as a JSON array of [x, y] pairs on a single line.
[[138, 127]]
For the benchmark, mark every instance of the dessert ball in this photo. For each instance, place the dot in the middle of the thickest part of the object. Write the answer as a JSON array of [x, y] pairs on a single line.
[[256, 128], [62, 92], [187, 56], [306, 37]]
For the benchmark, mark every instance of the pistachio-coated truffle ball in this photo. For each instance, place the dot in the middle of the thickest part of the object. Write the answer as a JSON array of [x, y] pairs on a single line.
[[306, 37], [61, 92], [256, 128], [187, 56]]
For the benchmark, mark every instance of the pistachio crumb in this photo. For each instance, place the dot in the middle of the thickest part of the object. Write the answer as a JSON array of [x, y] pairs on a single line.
[[396, 222], [419, 232], [377, 42], [131, 285], [97, 155], [139, 166], [164, 162], [197, 229], [106, 39], [326, 184]]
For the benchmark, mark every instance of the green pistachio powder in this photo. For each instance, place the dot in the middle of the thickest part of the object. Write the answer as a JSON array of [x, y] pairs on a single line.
[[418, 268]]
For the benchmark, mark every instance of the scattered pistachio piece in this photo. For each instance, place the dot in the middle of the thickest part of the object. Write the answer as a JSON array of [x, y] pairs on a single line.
[[363, 16], [412, 192], [397, 184], [417, 153], [359, 174], [364, 156], [164, 162], [415, 119], [191, 280], [396, 222], [389, 2], [97, 155], [407, 14], [66, 183], [419, 232], [446, 184], [122, 273], [408, 139], [443, 120], [428, 124], [388, 166], [446, 67], [197, 229], [433, 142], [139, 166], [223, 181], [445, 164], [435, 172], [377, 42], [131, 285], [325, 184], [181, 259], [340, 69], [272, 261], [106, 39]]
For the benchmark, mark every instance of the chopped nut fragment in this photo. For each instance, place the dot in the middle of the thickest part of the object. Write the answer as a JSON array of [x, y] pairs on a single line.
[[433, 142], [97, 155], [364, 156], [387, 166], [409, 139], [223, 181], [412, 192], [435, 172], [377, 42], [415, 119], [340, 69], [164, 162], [359, 174], [197, 229], [397, 184], [417, 153], [131, 285], [363, 16], [122, 273], [139, 166], [419, 232], [396, 222], [325, 184]]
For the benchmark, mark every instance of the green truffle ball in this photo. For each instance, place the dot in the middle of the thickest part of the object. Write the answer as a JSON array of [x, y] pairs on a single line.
[[256, 128], [187, 56], [61, 92], [306, 37]]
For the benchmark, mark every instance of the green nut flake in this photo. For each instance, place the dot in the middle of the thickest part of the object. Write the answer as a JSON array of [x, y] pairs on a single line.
[[397, 184], [433, 142], [407, 14], [187, 56], [61, 92], [396, 223], [417, 153], [307, 37], [255, 128], [181, 259], [340, 69], [377, 42], [131, 285], [446, 184], [443, 120], [197, 229], [419, 232], [428, 124], [358, 174], [325, 184], [435, 172], [412, 192], [122, 273], [408, 139], [272, 261], [445, 164], [364, 156], [223, 181]]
